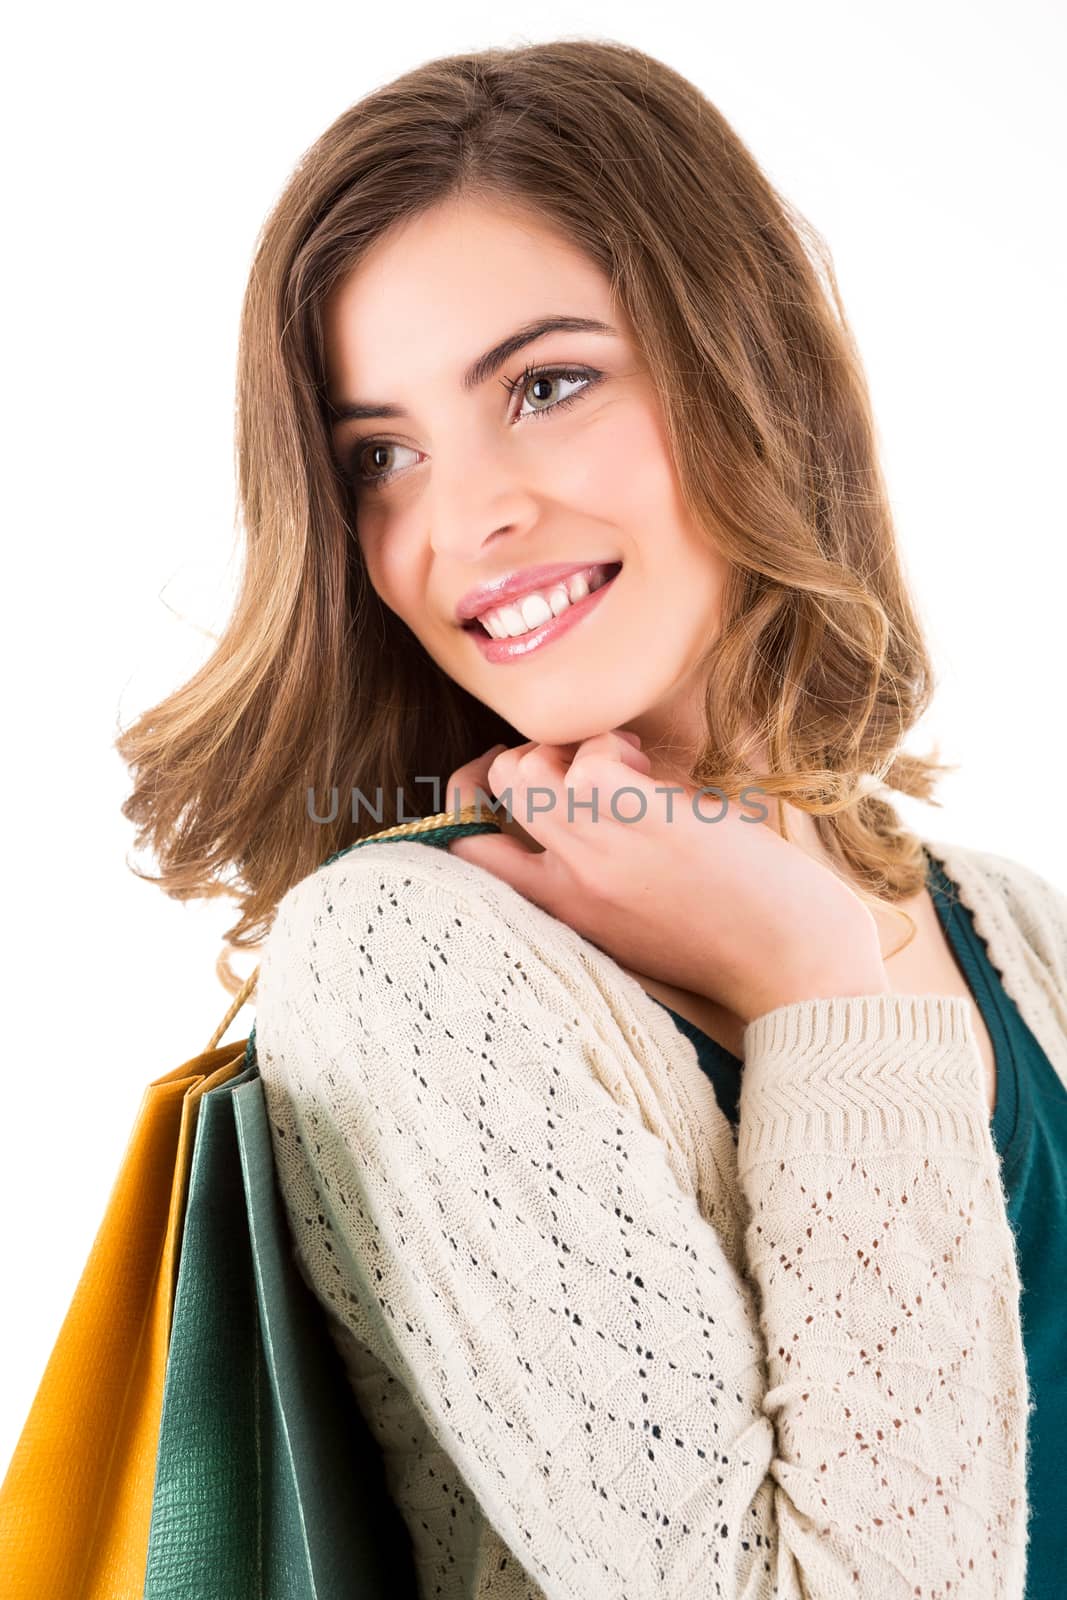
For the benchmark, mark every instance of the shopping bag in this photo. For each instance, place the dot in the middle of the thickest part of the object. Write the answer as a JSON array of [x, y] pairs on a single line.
[[194, 1433], [269, 1483], [76, 1500]]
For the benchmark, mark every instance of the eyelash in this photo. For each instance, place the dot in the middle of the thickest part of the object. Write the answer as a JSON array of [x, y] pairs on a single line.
[[512, 385]]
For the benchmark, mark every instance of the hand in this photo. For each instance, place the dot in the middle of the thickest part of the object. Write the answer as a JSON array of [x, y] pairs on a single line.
[[729, 909]]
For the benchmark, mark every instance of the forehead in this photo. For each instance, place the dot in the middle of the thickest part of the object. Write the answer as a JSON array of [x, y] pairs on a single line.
[[438, 287]]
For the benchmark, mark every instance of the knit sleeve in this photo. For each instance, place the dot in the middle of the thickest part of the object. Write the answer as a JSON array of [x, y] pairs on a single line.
[[502, 1224]]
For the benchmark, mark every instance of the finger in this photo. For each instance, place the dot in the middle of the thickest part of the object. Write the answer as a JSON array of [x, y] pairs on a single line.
[[537, 782], [595, 739], [533, 784], [625, 756], [497, 853], [614, 742], [466, 781], [618, 745], [637, 760]]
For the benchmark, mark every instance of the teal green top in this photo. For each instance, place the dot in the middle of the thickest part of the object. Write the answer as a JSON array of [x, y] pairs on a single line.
[[1029, 1131]]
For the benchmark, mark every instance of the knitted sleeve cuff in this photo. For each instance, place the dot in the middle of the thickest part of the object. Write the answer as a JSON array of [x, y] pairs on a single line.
[[862, 1073]]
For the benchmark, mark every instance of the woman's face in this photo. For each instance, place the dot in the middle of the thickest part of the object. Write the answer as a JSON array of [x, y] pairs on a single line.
[[463, 484]]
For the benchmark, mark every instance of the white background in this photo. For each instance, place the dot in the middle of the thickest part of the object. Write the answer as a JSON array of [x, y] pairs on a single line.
[[143, 148]]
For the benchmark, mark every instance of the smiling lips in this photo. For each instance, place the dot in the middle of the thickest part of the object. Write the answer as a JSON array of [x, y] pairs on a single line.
[[514, 586], [542, 616], [512, 618]]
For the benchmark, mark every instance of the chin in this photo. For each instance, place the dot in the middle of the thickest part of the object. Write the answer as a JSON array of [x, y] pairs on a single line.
[[566, 733]]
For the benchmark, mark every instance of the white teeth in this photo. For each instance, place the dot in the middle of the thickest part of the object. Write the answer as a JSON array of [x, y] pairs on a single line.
[[536, 608], [510, 619]]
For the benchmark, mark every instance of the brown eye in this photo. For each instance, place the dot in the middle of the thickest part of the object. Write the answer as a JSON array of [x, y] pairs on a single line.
[[549, 380], [365, 461], [362, 471]]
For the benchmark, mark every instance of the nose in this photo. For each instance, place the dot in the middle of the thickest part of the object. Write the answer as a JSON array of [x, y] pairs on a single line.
[[464, 542], [474, 506]]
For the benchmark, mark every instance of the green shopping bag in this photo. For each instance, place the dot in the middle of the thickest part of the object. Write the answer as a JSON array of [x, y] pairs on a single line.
[[269, 1485]]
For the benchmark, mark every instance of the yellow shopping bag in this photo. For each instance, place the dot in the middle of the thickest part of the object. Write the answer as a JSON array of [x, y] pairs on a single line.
[[76, 1502]]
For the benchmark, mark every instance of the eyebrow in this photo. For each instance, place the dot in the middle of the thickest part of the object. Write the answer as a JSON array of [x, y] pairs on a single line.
[[479, 370]]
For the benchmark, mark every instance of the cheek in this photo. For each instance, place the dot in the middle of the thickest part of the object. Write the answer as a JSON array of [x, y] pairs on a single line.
[[698, 597], [631, 475], [391, 567], [639, 480]]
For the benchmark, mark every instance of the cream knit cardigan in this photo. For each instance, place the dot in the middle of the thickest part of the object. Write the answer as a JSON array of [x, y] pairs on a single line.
[[608, 1353]]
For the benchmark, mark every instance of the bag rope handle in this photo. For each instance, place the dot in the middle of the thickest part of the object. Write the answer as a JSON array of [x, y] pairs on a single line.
[[468, 816]]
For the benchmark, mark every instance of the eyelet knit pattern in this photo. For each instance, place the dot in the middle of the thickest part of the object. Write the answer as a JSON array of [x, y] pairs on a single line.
[[607, 1353]]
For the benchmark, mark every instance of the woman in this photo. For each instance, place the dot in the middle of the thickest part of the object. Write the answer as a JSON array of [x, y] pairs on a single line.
[[651, 1180]]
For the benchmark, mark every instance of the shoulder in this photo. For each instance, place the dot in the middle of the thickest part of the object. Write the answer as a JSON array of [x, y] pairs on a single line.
[[407, 889], [396, 921], [431, 956], [401, 970]]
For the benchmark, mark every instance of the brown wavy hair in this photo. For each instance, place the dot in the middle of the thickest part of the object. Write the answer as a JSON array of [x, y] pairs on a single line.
[[820, 659]]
